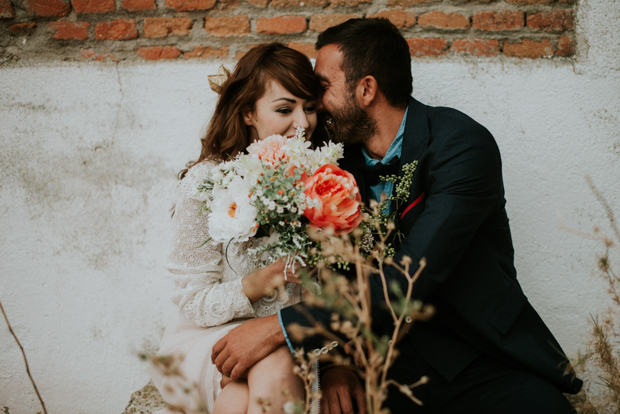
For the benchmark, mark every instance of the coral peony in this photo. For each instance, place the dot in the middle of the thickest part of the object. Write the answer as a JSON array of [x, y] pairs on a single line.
[[333, 199], [270, 149]]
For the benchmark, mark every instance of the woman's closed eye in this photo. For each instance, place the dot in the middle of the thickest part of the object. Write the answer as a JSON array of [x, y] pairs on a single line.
[[284, 110], [310, 109]]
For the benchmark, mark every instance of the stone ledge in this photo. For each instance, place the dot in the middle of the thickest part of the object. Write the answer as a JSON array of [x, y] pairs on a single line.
[[145, 401]]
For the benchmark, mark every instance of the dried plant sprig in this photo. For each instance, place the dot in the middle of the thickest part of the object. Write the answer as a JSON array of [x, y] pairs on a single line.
[[605, 204], [303, 369], [34, 385], [170, 366], [350, 302], [602, 358]]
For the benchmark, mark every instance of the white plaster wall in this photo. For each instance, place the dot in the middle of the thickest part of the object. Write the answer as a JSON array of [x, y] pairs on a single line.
[[88, 156]]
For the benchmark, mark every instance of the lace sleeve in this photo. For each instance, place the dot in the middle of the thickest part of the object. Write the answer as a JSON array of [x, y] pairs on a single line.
[[203, 298]]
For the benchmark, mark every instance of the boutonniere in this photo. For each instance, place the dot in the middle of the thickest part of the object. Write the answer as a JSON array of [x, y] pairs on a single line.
[[378, 221]]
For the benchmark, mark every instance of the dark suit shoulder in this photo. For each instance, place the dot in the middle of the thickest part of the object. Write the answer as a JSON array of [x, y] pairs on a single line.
[[449, 123]]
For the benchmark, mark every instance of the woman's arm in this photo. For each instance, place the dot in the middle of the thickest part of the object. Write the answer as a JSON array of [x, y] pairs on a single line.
[[203, 298]]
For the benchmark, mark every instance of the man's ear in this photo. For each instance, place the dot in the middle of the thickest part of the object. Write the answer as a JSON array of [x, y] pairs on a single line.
[[367, 89], [247, 116]]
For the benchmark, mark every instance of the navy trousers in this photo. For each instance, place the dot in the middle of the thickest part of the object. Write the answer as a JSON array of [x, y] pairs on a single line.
[[485, 386]]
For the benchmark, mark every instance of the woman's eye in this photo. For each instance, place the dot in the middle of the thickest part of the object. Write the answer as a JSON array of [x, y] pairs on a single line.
[[310, 109], [284, 110]]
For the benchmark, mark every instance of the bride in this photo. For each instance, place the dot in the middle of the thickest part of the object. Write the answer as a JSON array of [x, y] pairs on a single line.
[[273, 90]]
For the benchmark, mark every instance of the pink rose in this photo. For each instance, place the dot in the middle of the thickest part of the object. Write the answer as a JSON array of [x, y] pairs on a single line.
[[339, 198], [270, 149]]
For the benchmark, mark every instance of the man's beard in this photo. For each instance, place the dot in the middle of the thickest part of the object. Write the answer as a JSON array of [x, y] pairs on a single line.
[[352, 125]]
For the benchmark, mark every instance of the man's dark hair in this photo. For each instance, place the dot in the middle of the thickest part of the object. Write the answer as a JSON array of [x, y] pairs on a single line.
[[373, 47]]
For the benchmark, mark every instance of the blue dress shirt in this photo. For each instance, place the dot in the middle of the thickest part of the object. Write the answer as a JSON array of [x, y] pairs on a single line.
[[394, 150]]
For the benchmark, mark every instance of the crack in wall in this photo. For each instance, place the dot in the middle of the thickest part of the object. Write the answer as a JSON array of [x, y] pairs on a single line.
[[120, 103]]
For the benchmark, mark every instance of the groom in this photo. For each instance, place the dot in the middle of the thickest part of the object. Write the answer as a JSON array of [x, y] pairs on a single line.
[[485, 350]]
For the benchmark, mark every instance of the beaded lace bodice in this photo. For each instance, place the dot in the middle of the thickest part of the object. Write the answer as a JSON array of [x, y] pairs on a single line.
[[208, 289]]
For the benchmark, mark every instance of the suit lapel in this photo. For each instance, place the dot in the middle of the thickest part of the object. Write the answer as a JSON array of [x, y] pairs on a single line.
[[416, 135], [415, 142]]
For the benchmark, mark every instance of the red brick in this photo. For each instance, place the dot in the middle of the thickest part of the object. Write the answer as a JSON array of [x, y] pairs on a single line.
[[475, 47], [205, 52], [228, 26], [163, 26], [21, 27], [305, 48], [190, 5], [529, 2], [287, 4], [399, 18], [427, 46], [87, 53], [158, 52], [407, 3], [320, 22], [529, 49], [259, 3], [93, 6], [69, 30], [566, 47], [349, 3], [281, 25], [227, 4], [138, 5], [495, 21], [553, 21], [7, 11], [443, 20], [90, 54], [120, 29], [47, 8]]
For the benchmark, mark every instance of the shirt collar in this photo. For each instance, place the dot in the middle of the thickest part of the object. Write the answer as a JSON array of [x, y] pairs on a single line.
[[395, 149]]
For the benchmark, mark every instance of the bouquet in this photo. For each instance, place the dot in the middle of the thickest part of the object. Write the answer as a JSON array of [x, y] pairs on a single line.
[[280, 188]]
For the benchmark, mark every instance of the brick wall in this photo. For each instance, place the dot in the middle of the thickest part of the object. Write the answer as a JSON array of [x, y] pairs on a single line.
[[117, 30]]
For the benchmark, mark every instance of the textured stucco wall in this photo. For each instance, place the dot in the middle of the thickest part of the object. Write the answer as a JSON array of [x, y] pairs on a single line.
[[88, 156]]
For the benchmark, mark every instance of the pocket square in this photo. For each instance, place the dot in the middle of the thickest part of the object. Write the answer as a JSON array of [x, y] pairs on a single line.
[[412, 205]]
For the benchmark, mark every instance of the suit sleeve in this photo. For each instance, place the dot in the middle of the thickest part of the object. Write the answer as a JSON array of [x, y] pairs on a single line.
[[463, 186]]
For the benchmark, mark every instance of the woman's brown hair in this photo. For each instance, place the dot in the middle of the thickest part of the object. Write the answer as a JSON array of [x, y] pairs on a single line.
[[227, 134]]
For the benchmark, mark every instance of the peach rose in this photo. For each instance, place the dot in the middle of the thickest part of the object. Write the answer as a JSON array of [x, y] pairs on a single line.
[[270, 149], [339, 198]]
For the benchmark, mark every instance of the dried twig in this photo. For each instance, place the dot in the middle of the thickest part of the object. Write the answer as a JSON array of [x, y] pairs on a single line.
[[25, 359], [605, 204], [602, 353]]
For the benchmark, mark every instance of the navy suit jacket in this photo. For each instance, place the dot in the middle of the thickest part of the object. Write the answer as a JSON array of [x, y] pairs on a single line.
[[455, 217]]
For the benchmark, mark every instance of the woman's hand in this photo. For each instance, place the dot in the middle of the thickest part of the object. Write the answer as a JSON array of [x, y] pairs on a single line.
[[264, 281]]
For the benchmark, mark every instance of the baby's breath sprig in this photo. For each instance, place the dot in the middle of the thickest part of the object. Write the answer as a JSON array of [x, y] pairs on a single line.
[[379, 221], [402, 185]]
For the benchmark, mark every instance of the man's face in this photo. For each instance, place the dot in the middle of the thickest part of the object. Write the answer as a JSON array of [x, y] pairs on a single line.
[[350, 123]]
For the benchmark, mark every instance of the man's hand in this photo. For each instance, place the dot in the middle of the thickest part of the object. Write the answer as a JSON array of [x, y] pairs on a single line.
[[247, 344], [340, 387]]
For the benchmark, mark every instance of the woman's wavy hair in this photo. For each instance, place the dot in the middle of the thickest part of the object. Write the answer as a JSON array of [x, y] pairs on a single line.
[[227, 134]]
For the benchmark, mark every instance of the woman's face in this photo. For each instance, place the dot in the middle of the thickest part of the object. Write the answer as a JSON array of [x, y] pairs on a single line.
[[280, 112]]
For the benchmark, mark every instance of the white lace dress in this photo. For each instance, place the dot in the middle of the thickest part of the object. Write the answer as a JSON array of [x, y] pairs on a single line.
[[208, 293]]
